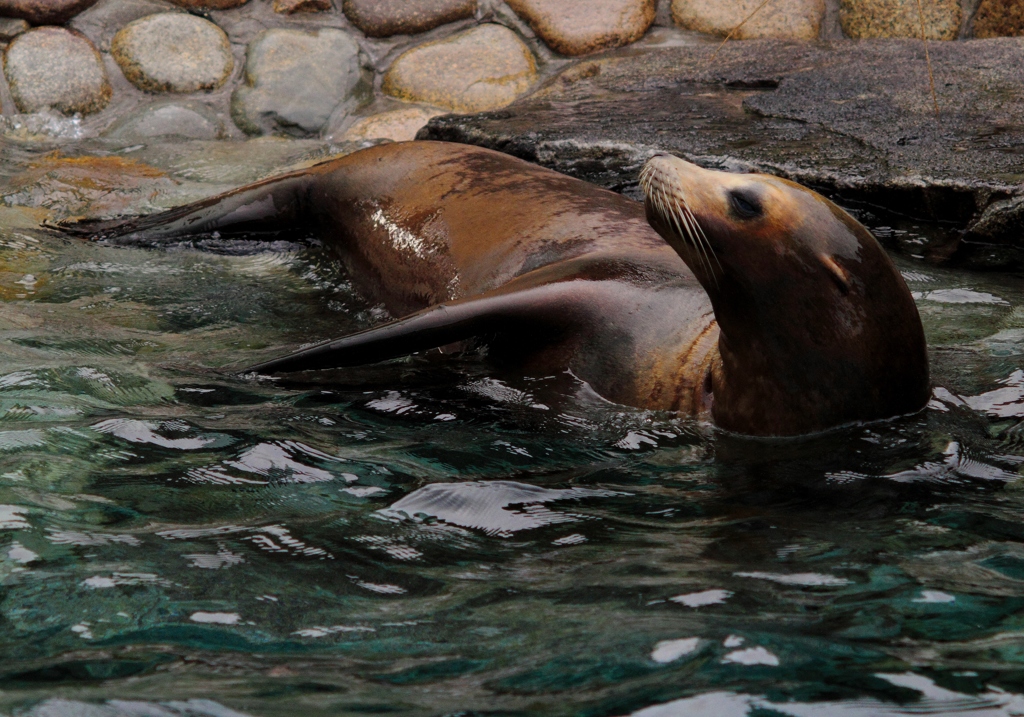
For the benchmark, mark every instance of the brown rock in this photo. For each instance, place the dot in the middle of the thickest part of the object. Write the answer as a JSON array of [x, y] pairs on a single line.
[[382, 18], [44, 12], [999, 18], [399, 125], [209, 4], [781, 19], [577, 28], [288, 7], [900, 18], [479, 69]]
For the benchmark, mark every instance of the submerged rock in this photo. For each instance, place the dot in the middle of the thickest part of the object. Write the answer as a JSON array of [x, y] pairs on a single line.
[[574, 28], [782, 19], [103, 186], [44, 12], [854, 119], [51, 67], [173, 52], [189, 120], [383, 18], [999, 18], [480, 69], [900, 18], [295, 80]]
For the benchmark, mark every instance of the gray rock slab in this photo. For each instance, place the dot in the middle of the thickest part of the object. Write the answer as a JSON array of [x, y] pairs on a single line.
[[167, 119], [173, 52], [54, 68], [295, 81], [853, 119]]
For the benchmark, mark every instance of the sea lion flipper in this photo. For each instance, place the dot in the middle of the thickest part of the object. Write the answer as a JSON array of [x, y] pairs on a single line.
[[262, 205], [551, 308]]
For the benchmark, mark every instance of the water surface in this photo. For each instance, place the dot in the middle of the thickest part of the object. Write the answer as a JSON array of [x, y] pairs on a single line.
[[431, 536]]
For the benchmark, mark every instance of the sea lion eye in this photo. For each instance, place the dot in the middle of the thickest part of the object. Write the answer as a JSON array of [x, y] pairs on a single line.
[[745, 204]]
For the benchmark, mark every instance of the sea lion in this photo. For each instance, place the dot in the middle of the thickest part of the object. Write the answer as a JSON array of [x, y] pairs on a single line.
[[769, 309]]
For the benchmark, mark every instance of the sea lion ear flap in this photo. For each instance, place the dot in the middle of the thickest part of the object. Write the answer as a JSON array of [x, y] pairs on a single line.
[[838, 273], [550, 308]]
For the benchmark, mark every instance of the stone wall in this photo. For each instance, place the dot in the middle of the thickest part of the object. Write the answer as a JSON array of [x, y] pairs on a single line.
[[132, 70]]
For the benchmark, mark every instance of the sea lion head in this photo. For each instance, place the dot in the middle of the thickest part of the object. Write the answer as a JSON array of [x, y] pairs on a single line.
[[818, 328]]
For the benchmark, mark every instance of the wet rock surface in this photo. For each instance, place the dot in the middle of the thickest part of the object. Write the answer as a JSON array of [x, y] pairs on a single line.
[[573, 28], [900, 18], [44, 12], [854, 120], [295, 80], [383, 18], [51, 67], [173, 52], [169, 119], [999, 18], [782, 19], [479, 69]]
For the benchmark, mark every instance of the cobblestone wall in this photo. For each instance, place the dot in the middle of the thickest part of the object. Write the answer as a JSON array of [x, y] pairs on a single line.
[[365, 69]]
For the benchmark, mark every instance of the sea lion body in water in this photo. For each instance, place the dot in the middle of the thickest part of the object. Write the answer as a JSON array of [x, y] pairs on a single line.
[[558, 274]]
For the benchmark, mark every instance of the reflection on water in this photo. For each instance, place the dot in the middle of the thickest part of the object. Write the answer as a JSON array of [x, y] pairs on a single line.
[[431, 536]]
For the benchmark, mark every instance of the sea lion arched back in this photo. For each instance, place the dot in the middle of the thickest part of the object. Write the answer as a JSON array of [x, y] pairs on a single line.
[[557, 274]]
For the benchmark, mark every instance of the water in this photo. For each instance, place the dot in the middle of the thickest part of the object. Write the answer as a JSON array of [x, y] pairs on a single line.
[[430, 536]]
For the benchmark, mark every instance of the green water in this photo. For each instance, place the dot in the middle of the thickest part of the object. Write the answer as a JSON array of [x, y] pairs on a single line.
[[431, 537]]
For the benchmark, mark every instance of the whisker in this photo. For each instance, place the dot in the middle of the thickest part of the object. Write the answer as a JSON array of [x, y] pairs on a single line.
[[705, 239], [691, 223]]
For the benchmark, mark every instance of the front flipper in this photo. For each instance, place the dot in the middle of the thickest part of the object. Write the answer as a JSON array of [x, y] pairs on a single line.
[[539, 314]]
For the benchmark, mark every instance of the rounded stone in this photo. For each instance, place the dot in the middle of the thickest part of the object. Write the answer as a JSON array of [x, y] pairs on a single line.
[[295, 80], [479, 69], [399, 125], [11, 27], [782, 19], [290, 7], [188, 120], [383, 18], [102, 21], [173, 52], [900, 18], [574, 28], [999, 18], [203, 5], [51, 67], [43, 12]]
